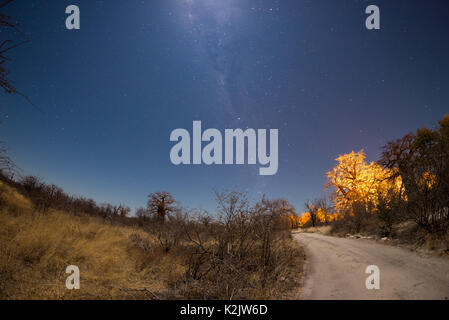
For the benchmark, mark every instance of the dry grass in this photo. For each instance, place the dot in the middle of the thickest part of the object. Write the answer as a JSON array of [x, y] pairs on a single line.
[[36, 248], [320, 229], [115, 261]]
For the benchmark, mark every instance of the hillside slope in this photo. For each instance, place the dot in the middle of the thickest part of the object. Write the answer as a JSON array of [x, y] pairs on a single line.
[[36, 248]]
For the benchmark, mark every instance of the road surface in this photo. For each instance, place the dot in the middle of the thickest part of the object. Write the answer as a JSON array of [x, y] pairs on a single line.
[[335, 269]]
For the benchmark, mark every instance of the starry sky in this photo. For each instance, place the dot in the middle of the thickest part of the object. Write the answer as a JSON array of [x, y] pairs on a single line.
[[113, 91]]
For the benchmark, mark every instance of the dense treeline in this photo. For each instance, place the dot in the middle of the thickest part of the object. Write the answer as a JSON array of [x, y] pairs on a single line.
[[421, 162]]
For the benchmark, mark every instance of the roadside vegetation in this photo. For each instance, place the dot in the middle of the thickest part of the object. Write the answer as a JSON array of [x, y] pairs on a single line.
[[244, 251], [404, 196]]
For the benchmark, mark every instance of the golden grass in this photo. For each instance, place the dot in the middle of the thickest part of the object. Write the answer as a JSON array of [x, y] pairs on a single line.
[[320, 229], [36, 248], [115, 261]]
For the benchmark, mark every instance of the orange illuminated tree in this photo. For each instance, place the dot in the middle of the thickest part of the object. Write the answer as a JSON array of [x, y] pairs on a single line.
[[353, 180]]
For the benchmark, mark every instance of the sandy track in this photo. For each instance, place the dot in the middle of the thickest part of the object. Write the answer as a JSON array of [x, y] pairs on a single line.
[[335, 269]]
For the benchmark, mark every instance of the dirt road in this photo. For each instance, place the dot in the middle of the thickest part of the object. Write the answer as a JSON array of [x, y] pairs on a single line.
[[335, 269]]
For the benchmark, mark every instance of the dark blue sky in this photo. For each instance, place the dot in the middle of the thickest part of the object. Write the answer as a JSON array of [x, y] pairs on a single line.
[[113, 91]]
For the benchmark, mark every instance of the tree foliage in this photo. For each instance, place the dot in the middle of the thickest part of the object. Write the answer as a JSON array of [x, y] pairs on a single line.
[[353, 180], [421, 161]]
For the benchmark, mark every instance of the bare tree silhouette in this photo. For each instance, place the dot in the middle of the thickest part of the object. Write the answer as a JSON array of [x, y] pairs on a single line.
[[7, 166], [160, 204], [7, 24]]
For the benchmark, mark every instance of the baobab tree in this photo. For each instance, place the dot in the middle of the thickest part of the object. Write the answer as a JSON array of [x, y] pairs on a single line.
[[160, 204]]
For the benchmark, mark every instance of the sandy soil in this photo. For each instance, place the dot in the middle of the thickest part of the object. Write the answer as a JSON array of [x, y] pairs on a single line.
[[335, 269]]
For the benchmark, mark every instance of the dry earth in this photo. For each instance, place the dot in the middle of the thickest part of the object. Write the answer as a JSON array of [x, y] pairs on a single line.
[[335, 269]]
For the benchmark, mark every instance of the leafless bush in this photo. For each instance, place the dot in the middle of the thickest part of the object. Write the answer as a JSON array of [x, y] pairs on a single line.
[[242, 253], [141, 243], [169, 232]]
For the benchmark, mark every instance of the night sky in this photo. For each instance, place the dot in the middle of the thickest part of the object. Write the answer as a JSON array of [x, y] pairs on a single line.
[[113, 91]]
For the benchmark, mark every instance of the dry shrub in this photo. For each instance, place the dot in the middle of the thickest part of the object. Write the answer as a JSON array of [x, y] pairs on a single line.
[[246, 254]]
